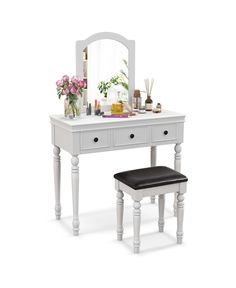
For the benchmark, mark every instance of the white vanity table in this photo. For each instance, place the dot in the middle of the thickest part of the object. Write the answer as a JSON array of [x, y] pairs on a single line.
[[91, 134]]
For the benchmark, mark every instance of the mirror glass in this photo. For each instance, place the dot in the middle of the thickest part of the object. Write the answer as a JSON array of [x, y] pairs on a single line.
[[105, 68]]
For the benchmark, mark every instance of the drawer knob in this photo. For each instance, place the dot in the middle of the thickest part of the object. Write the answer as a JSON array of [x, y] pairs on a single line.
[[95, 139], [165, 132], [131, 136]]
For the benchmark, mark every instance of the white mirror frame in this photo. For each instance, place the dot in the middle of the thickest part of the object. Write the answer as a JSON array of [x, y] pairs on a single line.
[[129, 44]]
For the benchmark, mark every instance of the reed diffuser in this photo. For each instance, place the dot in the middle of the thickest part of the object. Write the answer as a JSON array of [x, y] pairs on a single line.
[[148, 101]]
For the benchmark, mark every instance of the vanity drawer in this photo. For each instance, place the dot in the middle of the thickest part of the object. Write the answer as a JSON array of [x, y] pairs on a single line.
[[95, 139], [130, 136], [163, 133]]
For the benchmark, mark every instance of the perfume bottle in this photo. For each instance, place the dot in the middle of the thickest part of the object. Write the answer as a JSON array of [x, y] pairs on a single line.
[[158, 108], [148, 102], [137, 99]]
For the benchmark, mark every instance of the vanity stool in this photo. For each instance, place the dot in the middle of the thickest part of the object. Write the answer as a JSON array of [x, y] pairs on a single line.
[[147, 182]]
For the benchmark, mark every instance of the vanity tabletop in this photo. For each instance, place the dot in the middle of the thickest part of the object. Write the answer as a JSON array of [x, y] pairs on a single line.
[[99, 121]]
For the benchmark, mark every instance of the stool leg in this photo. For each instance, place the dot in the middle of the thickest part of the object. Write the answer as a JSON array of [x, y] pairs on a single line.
[[137, 219], [161, 204], [119, 213], [175, 204], [153, 199], [180, 215], [153, 163]]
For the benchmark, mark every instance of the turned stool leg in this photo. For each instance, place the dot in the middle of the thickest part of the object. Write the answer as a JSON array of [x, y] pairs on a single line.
[[137, 220], [161, 204], [119, 213], [180, 213]]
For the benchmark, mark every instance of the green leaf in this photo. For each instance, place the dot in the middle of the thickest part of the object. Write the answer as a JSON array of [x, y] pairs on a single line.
[[126, 62], [123, 73], [125, 85]]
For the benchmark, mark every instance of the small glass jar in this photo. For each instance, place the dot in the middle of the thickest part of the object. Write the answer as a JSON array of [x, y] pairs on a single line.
[[117, 108], [158, 108]]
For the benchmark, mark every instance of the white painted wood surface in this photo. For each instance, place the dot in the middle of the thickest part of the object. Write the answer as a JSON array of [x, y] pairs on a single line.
[[161, 204], [77, 136], [180, 213], [119, 213], [89, 122], [75, 193], [130, 44], [57, 180], [177, 167], [136, 222], [90, 134], [178, 157], [138, 195], [153, 163]]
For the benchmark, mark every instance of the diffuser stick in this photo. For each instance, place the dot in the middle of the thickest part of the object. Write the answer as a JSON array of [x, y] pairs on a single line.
[[152, 81], [147, 85]]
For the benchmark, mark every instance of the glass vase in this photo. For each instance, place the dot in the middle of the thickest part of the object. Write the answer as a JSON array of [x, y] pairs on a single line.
[[72, 107]]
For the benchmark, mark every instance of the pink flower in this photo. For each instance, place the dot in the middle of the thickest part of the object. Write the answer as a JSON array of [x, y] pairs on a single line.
[[60, 83], [73, 90], [66, 91], [70, 86], [65, 78], [81, 84], [75, 80]]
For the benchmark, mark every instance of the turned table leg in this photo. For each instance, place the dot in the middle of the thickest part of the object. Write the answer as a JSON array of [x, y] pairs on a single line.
[[75, 193], [57, 180], [137, 220], [177, 168], [153, 163], [120, 212]]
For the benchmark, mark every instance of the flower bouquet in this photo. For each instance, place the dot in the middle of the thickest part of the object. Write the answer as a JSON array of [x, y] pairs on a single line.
[[73, 90]]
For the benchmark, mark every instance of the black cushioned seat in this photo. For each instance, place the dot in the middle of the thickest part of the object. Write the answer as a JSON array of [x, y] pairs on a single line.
[[150, 177]]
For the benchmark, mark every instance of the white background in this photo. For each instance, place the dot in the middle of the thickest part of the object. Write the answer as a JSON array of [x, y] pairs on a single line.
[[189, 48]]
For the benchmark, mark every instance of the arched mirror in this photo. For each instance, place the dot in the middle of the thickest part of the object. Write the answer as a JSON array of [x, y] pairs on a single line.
[[107, 62]]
